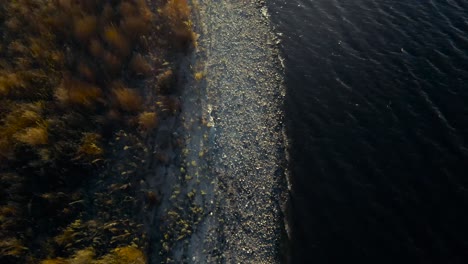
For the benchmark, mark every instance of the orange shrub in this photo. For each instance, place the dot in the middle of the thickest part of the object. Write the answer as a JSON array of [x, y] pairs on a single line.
[[33, 136], [10, 81], [124, 255], [75, 92], [21, 117], [23, 121], [176, 10], [177, 13], [121, 255], [199, 75], [148, 120], [127, 99]]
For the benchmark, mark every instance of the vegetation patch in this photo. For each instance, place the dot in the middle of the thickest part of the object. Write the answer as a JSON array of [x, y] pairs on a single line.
[[76, 109]]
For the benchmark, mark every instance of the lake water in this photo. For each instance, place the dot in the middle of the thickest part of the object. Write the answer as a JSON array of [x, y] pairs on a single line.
[[378, 121]]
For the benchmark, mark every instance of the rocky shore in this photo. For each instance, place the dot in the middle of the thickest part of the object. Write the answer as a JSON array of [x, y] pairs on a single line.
[[226, 202]]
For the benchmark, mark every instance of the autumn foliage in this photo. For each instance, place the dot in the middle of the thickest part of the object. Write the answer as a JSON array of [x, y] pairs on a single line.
[[71, 77]]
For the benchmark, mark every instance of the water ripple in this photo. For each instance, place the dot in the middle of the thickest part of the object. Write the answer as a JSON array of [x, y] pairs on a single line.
[[377, 113]]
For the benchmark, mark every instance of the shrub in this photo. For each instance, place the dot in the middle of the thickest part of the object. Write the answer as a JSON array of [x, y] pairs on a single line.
[[21, 117], [199, 75], [84, 256], [33, 136], [177, 10], [55, 261], [147, 121], [90, 145], [12, 247], [62, 56], [177, 13], [10, 81], [76, 92], [121, 255], [24, 124], [139, 66], [127, 99], [124, 255], [114, 38], [165, 81]]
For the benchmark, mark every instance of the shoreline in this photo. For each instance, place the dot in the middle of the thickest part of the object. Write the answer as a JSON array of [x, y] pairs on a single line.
[[227, 201]]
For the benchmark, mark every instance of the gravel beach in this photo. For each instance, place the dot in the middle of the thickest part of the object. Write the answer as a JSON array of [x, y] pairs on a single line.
[[233, 175]]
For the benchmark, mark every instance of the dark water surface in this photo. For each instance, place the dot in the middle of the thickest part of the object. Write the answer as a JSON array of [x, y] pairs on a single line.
[[377, 113]]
